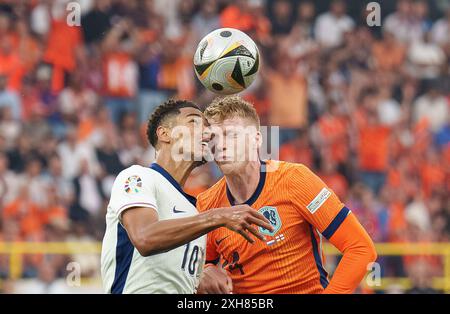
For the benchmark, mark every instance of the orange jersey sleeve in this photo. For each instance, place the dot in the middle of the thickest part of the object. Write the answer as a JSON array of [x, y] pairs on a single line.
[[359, 251], [322, 208], [316, 202]]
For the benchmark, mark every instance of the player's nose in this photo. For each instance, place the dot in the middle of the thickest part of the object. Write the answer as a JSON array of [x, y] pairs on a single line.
[[207, 135]]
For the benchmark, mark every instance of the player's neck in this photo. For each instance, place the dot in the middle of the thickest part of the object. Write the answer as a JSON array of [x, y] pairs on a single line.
[[179, 170], [243, 183]]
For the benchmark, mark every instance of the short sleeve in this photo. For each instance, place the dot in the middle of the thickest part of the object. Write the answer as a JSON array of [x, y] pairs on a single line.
[[317, 203], [133, 187]]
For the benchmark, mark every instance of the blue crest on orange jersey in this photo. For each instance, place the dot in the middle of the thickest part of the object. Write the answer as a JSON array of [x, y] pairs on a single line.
[[272, 216]]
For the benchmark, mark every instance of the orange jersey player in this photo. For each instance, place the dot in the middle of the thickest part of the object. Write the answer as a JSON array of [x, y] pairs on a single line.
[[300, 207]]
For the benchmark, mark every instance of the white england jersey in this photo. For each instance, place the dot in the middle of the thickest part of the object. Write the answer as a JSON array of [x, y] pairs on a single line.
[[124, 270]]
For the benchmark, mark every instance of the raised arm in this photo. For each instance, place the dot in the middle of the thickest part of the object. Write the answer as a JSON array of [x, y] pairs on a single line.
[[152, 236], [134, 195]]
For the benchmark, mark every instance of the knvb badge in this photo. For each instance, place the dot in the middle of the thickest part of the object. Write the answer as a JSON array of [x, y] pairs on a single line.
[[272, 216]]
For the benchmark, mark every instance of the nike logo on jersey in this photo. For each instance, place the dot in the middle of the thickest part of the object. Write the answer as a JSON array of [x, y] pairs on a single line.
[[177, 211], [220, 241]]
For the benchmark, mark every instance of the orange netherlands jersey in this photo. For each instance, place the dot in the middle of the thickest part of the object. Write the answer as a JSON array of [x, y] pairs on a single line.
[[301, 209]]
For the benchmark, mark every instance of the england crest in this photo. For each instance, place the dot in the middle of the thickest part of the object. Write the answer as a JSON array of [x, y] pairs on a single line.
[[272, 216]]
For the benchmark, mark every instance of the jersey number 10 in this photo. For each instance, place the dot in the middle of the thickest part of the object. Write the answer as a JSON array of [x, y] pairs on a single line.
[[191, 260]]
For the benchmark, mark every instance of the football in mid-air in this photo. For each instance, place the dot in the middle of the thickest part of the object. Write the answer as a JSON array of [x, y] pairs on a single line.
[[226, 61]]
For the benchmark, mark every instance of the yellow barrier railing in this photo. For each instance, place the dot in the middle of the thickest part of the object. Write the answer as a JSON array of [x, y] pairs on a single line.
[[17, 249], [404, 249]]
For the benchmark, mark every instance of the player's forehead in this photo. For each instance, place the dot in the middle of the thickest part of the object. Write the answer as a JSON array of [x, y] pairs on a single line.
[[231, 123], [189, 112]]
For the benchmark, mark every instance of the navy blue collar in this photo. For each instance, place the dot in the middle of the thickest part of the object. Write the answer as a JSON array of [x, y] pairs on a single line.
[[174, 182], [259, 188]]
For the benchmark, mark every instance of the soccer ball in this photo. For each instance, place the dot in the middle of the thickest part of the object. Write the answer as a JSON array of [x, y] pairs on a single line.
[[226, 61]]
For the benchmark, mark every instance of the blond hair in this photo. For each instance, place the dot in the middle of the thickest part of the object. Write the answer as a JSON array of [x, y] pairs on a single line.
[[228, 107]]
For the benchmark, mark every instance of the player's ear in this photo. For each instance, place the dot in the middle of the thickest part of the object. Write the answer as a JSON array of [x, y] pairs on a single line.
[[163, 134], [258, 139]]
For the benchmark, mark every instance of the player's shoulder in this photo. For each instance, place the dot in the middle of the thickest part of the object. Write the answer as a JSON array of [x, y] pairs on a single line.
[[136, 169], [138, 173], [285, 169], [207, 199]]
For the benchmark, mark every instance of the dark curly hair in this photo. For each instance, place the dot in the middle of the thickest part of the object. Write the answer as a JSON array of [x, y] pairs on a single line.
[[167, 109]]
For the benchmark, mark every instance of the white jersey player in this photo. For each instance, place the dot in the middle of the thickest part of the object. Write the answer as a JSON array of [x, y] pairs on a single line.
[[155, 239]]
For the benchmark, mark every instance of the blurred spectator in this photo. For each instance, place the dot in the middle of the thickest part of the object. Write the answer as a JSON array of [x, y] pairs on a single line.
[[46, 283], [432, 176], [34, 181], [305, 17], [76, 99], [25, 212], [53, 212], [441, 29], [41, 15], [10, 128], [421, 280], [389, 109], [9, 99], [388, 53], [426, 57], [237, 15], [404, 22], [297, 150], [281, 16], [8, 182], [108, 158], [373, 143], [416, 214], [97, 21], [131, 152], [287, 97], [120, 70], [330, 134], [73, 153], [18, 154], [54, 178], [332, 25], [88, 264], [64, 47], [88, 194], [335, 180], [10, 59], [206, 20], [432, 107]]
